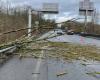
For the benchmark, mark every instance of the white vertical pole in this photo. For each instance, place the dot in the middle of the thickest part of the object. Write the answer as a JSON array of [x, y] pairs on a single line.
[[29, 22]]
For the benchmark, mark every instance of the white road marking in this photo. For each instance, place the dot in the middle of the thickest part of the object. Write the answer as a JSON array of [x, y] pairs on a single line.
[[38, 65]]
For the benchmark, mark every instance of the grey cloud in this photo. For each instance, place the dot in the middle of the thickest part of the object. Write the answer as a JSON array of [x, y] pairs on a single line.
[[65, 5]]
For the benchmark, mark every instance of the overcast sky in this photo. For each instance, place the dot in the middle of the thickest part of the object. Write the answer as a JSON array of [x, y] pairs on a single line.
[[68, 8]]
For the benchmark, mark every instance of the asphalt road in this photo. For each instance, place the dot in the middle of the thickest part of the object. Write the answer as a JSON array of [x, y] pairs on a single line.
[[71, 38], [52, 69], [76, 39], [25, 69]]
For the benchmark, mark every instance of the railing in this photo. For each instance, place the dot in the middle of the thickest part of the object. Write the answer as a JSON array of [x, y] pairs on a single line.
[[8, 50]]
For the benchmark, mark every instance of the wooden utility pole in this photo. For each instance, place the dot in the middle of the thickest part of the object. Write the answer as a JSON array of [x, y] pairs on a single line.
[[85, 22]]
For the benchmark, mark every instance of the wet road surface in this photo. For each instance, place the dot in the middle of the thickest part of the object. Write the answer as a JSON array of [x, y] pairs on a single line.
[[71, 38], [25, 69], [16, 69], [76, 39]]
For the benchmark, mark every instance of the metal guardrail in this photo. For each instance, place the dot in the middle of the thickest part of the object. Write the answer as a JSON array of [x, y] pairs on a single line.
[[8, 50]]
